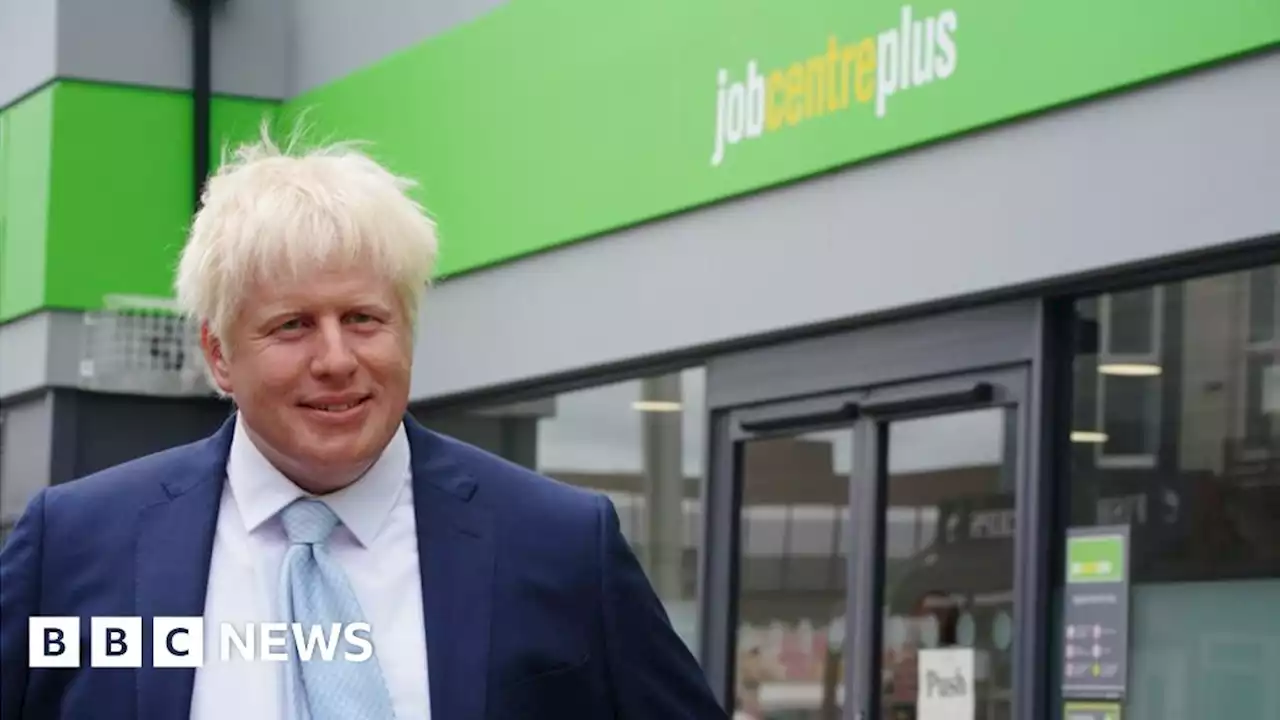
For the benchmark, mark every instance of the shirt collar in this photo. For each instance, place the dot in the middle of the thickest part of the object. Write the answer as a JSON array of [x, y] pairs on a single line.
[[260, 491]]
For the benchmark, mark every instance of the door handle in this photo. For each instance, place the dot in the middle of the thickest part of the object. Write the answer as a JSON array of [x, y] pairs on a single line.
[[843, 413], [979, 393]]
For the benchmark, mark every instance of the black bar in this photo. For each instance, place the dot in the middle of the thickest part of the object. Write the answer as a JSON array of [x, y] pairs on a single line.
[[1045, 501], [864, 641], [201, 91], [844, 413], [980, 393]]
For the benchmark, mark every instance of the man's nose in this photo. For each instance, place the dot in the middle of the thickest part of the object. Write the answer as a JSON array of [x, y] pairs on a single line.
[[334, 355]]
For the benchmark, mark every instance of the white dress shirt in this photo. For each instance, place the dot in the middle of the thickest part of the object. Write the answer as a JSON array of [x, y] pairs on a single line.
[[377, 546]]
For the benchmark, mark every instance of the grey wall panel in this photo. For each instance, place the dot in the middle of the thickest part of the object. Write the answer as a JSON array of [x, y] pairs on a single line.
[[982, 337], [148, 42], [252, 48], [24, 354], [28, 46], [333, 38], [26, 448], [111, 429], [261, 48], [61, 435], [1182, 165], [141, 42], [66, 348], [40, 350]]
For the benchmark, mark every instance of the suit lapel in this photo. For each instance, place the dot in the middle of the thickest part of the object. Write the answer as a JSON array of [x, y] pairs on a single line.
[[175, 547], [456, 553]]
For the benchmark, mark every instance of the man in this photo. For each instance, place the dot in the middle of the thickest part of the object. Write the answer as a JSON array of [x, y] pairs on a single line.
[[489, 591]]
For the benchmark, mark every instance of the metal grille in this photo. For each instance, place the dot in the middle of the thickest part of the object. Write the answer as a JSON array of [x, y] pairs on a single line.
[[141, 345]]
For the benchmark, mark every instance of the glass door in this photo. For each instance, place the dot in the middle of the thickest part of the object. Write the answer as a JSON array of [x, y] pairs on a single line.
[[877, 541], [794, 523], [874, 551], [935, 606]]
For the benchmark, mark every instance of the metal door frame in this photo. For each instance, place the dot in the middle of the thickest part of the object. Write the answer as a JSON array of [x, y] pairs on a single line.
[[997, 388], [835, 381]]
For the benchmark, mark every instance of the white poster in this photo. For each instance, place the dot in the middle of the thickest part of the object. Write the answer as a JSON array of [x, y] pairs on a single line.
[[945, 684]]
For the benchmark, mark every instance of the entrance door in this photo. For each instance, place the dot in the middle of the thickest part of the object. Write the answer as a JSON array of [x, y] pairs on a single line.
[[796, 527], [866, 560], [934, 597]]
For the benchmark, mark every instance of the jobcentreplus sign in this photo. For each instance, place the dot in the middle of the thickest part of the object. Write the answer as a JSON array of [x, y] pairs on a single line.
[[179, 642]]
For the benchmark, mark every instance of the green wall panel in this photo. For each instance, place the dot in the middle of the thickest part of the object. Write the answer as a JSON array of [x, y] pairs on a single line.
[[115, 195], [26, 134], [121, 194], [545, 122], [235, 120]]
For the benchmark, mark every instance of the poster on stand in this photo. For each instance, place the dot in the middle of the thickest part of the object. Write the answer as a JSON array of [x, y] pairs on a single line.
[[1095, 617]]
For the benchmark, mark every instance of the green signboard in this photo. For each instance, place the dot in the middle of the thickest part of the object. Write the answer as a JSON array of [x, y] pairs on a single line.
[[1096, 558], [545, 122]]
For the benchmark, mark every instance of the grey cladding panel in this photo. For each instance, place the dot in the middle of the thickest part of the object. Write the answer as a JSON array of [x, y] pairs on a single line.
[[148, 42], [112, 429], [61, 435], [923, 347], [140, 42], [28, 46], [24, 353], [333, 38], [252, 48], [26, 444], [40, 350], [261, 48]]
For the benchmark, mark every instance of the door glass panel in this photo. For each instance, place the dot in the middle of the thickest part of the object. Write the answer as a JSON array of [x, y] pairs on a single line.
[[793, 576], [948, 559]]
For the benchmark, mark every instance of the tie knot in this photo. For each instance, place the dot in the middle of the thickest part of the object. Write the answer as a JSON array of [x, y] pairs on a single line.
[[308, 522]]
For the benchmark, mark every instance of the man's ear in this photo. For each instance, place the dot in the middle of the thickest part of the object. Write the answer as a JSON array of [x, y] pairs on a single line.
[[215, 357]]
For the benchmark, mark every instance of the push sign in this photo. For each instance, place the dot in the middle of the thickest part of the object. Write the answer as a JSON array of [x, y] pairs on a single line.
[[945, 688]]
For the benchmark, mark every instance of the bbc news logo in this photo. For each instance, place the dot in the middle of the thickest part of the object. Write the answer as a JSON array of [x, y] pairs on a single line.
[[179, 642]]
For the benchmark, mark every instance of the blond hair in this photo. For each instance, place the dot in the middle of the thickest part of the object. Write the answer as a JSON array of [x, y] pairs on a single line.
[[276, 213]]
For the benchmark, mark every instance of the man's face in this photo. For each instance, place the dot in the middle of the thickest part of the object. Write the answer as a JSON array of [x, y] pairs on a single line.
[[320, 372]]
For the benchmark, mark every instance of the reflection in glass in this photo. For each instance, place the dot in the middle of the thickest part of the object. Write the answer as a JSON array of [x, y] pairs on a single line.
[[792, 583], [640, 442], [1204, 510], [949, 557]]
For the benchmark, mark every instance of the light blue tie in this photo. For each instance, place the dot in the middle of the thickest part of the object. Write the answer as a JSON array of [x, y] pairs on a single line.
[[314, 591]]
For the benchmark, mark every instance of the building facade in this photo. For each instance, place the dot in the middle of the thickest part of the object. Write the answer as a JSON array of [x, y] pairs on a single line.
[[876, 321]]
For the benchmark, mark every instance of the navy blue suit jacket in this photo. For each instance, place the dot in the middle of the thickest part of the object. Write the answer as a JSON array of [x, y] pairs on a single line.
[[535, 607]]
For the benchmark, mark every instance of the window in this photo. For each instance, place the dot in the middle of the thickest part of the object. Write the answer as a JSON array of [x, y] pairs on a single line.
[[1202, 507], [1129, 368], [640, 442]]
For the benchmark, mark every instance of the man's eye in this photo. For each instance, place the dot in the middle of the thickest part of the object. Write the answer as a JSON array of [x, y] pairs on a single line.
[[359, 318], [294, 324]]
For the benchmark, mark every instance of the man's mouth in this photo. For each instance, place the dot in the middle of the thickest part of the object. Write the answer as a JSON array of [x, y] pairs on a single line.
[[335, 407]]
